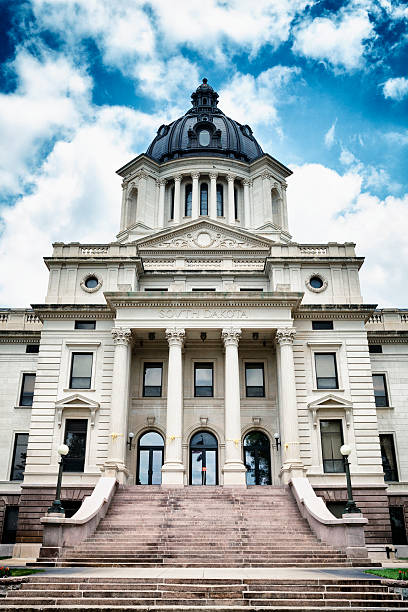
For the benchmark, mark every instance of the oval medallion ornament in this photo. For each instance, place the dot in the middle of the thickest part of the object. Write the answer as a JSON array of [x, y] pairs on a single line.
[[204, 240]]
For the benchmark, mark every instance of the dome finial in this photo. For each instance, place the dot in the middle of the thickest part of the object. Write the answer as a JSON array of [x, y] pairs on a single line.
[[205, 81]]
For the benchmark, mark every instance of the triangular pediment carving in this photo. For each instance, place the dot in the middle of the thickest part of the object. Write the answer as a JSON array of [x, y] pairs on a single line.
[[205, 235], [76, 401], [330, 401]]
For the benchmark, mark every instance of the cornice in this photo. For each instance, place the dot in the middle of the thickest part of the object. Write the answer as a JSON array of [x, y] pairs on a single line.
[[335, 311], [387, 337], [164, 254], [69, 311], [10, 336], [306, 260]]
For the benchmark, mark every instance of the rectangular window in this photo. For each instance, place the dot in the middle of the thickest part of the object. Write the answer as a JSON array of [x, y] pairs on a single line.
[[203, 289], [152, 379], [85, 324], [251, 289], [188, 200], [375, 348], [331, 432], [32, 348], [326, 371], [388, 457], [254, 380], [19, 456], [81, 371], [156, 289], [10, 525], [172, 203], [75, 438], [220, 201], [380, 390], [203, 380], [317, 325], [235, 203], [398, 529], [204, 199], [27, 390]]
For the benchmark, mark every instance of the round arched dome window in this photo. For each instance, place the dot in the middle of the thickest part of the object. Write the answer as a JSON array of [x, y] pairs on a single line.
[[204, 138], [316, 282], [91, 282]]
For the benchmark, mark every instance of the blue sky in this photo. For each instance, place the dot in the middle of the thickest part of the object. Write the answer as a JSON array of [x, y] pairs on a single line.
[[85, 85]]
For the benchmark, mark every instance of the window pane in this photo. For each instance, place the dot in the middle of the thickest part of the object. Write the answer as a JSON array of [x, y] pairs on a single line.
[[85, 324], [153, 375], [388, 457], [250, 466], [144, 467], [326, 373], [27, 390], [398, 529], [204, 439], [203, 374], [210, 476], [75, 438], [204, 138], [188, 201], [380, 390], [10, 525], [151, 438], [204, 199], [220, 201], [19, 456], [316, 325], [332, 439], [81, 371], [157, 462], [196, 467], [254, 375]]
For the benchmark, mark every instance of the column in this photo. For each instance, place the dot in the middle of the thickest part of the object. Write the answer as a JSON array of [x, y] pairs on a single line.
[[231, 203], [213, 195], [195, 210], [173, 468], [160, 213], [124, 201], [115, 465], [292, 464], [234, 469], [247, 205], [267, 198], [177, 207]]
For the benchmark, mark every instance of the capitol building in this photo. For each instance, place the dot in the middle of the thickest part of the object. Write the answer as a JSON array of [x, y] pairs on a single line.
[[204, 347]]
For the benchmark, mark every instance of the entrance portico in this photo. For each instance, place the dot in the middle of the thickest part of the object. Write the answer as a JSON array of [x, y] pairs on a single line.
[[232, 335]]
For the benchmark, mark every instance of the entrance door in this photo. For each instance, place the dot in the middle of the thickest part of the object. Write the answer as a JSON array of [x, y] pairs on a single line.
[[150, 458], [203, 459], [257, 458]]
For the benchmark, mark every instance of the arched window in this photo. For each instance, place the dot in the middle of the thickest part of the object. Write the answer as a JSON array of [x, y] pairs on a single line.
[[204, 199], [188, 200], [172, 203], [257, 458], [235, 203], [220, 200], [150, 458], [203, 459]]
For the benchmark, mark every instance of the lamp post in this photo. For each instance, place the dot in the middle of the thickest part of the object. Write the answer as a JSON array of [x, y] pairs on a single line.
[[351, 507], [56, 507]]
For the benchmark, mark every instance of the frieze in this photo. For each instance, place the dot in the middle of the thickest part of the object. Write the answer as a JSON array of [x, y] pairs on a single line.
[[202, 313]]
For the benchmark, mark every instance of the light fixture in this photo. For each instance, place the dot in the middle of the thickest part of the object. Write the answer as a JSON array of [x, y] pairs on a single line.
[[203, 336], [351, 507], [276, 436], [131, 435], [63, 450], [56, 507]]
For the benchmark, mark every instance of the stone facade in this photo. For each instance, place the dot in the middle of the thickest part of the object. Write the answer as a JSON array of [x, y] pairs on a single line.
[[188, 282]]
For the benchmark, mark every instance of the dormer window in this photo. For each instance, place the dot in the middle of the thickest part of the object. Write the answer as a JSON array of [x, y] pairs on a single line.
[[204, 138], [204, 100]]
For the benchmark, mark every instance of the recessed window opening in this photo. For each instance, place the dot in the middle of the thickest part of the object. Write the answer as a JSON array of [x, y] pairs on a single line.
[[203, 289], [75, 438], [254, 380], [91, 282], [220, 200], [318, 325], [27, 390], [316, 282], [10, 525], [203, 380], [204, 199], [235, 203], [172, 203], [398, 528], [388, 457], [326, 371], [19, 456], [85, 325], [380, 390], [188, 200], [152, 379], [81, 371], [204, 100], [156, 289], [32, 348], [331, 432], [204, 138], [251, 289], [375, 348]]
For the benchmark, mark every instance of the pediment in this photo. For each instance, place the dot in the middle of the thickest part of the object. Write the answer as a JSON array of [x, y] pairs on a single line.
[[330, 401], [76, 401], [204, 236]]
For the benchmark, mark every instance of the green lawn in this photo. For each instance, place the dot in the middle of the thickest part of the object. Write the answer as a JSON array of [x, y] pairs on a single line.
[[23, 571], [387, 572]]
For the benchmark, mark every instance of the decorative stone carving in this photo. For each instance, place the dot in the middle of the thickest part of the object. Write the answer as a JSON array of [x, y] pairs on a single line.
[[203, 421], [213, 176], [91, 289], [231, 178], [177, 178], [150, 420], [231, 335], [94, 250], [195, 175], [313, 251], [175, 335], [161, 182], [247, 182], [121, 335], [256, 420], [206, 238], [285, 335], [266, 174]]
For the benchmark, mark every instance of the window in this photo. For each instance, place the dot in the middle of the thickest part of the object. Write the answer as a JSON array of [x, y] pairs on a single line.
[[203, 380], [316, 282], [235, 203], [156, 289], [380, 390], [10, 525], [326, 371], [203, 289], [254, 380], [152, 379], [172, 203], [32, 348], [75, 438], [204, 199], [317, 325], [85, 325], [251, 289], [389, 460], [204, 136], [27, 390], [81, 371], [398, 530], [91, 282], [188, 200], [375, 348], [19, 456], [220, 201], [332, 439]]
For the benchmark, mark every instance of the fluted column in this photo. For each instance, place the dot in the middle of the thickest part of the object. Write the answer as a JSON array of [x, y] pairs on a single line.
[[173, 468], [177, 202], [234, 469], [231, 204], [116, 463], [213, 195], [292, 464], [160, 213], [247, 205], [195, 196]]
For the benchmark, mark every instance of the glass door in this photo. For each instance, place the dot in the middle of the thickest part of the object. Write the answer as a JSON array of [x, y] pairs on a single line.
[[257, 458], [150, 458], [203, 459]]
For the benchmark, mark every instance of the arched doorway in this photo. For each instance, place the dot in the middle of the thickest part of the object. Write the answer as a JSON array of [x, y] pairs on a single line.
[[203, 459], [257, 458], [149, 458]]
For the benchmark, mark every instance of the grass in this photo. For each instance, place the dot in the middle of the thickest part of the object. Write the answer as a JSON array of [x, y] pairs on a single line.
[[24, 572], [387, 572]]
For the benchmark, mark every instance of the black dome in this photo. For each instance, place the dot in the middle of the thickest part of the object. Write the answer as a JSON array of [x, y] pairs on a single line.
[[204, 130]]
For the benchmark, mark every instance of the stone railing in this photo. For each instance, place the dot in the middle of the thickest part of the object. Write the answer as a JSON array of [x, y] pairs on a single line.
[[375, 318]]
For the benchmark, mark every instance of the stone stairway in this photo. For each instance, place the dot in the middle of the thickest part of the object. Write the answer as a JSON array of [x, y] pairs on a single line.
[[62, 593], [204, 527]]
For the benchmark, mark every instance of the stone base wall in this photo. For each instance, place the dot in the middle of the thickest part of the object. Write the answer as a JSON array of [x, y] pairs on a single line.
[[373, 503], [34, 503], [7, 499]]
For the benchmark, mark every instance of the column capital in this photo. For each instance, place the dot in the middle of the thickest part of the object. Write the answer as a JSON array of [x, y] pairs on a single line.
[[231, 178], [178, 178], [213, 176], [266, 174], [285, 335], [121, 335], [124, 184], [231, 336], [247, 182], [175, 336], [161, 182], [195, 175]]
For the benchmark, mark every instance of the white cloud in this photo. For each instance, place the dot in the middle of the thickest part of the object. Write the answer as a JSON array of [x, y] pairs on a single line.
[[339, 41], [396, 89], [327, 206], [165, 80], [329, 137]]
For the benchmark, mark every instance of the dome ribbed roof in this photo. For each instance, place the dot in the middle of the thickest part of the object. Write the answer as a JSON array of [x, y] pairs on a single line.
[[204, 130]]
